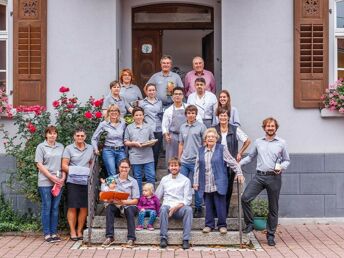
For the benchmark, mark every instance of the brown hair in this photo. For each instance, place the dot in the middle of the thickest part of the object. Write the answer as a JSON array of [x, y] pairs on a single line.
[[269, 120], [125, 160], [137, 109], [126, 70], [148, 85], [228, 105], [113, 83], [50, 129], [222, 110], [200, 79], [174, 160], [191, 108]]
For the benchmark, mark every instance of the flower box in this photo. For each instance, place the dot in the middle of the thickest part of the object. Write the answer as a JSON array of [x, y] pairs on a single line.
[[327, 113]]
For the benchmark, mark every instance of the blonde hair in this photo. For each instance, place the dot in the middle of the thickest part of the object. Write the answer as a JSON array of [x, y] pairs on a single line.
[[210, 130], [110, 108], [150, 187]]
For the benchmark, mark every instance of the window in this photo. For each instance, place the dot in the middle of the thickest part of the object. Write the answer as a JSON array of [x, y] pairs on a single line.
[[3, 46], [339, 39]]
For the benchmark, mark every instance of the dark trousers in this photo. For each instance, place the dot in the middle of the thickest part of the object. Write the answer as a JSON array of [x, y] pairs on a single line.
[[157, 147], [112, 211], [272, 184], [215, 204], [231, 176]]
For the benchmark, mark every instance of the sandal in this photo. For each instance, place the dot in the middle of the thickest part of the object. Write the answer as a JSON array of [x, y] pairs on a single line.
[[74, 238]]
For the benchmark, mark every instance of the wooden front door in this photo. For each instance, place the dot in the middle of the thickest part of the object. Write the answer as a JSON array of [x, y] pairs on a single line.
[[146, 54]]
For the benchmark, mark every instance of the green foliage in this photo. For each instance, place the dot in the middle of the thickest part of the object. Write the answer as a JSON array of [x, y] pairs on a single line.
[[31, 123], [260, 208], [10, 221]]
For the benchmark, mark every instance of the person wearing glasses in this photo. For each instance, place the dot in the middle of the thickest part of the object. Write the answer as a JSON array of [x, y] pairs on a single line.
[[77, 160], [173, 118], [113, 150]]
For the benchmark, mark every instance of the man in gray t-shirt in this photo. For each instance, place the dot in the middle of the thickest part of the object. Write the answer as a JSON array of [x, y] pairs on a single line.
[[165, 81]]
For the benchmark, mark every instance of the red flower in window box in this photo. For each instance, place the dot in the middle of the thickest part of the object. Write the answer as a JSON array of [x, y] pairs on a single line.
[[63, 89], [88, 115]]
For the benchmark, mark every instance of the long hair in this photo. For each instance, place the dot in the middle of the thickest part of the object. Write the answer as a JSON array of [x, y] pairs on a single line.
[[228, 105]]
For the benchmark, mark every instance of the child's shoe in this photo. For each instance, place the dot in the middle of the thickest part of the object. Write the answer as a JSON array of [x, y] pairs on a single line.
[[150, 227], [139, 227]]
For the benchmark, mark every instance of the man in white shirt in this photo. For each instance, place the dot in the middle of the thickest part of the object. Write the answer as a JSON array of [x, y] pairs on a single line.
[[176, 191], [205, 101]]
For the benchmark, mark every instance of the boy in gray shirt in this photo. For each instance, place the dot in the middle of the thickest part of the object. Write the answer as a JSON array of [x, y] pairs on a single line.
[[190, 140]]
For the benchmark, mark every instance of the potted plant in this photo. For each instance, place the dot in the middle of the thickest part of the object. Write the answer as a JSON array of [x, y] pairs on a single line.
[[333, 98], [260, 208]]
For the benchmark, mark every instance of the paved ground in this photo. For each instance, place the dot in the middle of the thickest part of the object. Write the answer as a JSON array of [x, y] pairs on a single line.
[[292, 241]]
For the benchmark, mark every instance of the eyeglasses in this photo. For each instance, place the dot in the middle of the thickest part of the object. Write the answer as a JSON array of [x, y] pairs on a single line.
[[178, 94], [114, 111]]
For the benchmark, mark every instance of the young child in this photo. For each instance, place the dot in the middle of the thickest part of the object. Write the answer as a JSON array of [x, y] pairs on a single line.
[[109, 185], [148, 205]]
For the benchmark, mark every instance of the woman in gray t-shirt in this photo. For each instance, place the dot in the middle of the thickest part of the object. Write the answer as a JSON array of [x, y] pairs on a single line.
[[48, 159]]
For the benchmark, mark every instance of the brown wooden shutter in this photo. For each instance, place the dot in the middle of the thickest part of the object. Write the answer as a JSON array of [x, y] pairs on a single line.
[[29, 64], [310, 52]]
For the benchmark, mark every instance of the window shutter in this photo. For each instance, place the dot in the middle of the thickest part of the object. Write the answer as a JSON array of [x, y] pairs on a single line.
[[310, 52], [29, 64]]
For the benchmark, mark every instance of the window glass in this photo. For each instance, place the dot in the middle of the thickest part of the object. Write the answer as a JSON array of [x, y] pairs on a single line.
[[2, 17], [340, 14], [2, 55]]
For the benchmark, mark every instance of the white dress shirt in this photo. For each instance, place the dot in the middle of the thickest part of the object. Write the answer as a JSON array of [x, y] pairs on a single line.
[[206, 105], [174, 190]]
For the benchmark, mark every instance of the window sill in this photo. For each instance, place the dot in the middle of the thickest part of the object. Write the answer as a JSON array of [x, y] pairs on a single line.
[[326, 113]]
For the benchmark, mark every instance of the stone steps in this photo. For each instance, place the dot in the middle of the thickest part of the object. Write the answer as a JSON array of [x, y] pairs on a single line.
[[197, 223], [146, 237]]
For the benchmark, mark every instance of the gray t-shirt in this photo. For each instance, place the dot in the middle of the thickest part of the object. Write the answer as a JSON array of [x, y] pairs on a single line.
[[130, 93], [50, 157], [153, 113], [161, 82], [128, 186], [121, 103], [141, 134], [191, 136], [78, 157]]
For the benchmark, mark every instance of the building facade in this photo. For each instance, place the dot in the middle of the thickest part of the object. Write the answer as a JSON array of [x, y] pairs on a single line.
[[276, 57]]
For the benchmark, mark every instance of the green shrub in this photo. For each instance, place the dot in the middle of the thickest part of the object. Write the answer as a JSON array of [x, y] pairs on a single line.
[[260, 207]]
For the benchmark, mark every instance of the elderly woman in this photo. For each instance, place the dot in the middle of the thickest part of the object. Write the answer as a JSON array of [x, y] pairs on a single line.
[[211, 179], [127, 184], [115, 98], [113, 150], [224, 101], [76, 162], [130, 92], [230, 135], [152, 107], [48, 159]]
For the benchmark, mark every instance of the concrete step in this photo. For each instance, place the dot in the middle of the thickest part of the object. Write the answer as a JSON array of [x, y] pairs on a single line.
[[146, 237], [197, 223]]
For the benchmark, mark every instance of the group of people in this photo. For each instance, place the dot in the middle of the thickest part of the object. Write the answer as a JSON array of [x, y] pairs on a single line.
[[201, 137]]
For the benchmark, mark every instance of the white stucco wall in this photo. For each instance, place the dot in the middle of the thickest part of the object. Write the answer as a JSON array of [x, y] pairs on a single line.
[[257, 68], [81, 47]]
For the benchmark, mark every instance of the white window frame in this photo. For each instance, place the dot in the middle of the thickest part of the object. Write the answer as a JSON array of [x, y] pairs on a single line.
[[4, 37], [338, 34]]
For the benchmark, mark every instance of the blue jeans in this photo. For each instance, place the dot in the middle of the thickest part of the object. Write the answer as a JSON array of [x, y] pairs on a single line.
[[188, 169], [111, 159], [149, 170], [50, 210], [150, 213]]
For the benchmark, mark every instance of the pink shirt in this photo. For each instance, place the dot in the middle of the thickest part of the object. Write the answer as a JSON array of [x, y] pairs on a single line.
[[189, 82]]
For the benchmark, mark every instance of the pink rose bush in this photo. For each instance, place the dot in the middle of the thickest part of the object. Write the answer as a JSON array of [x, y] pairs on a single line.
[[333, 98]]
